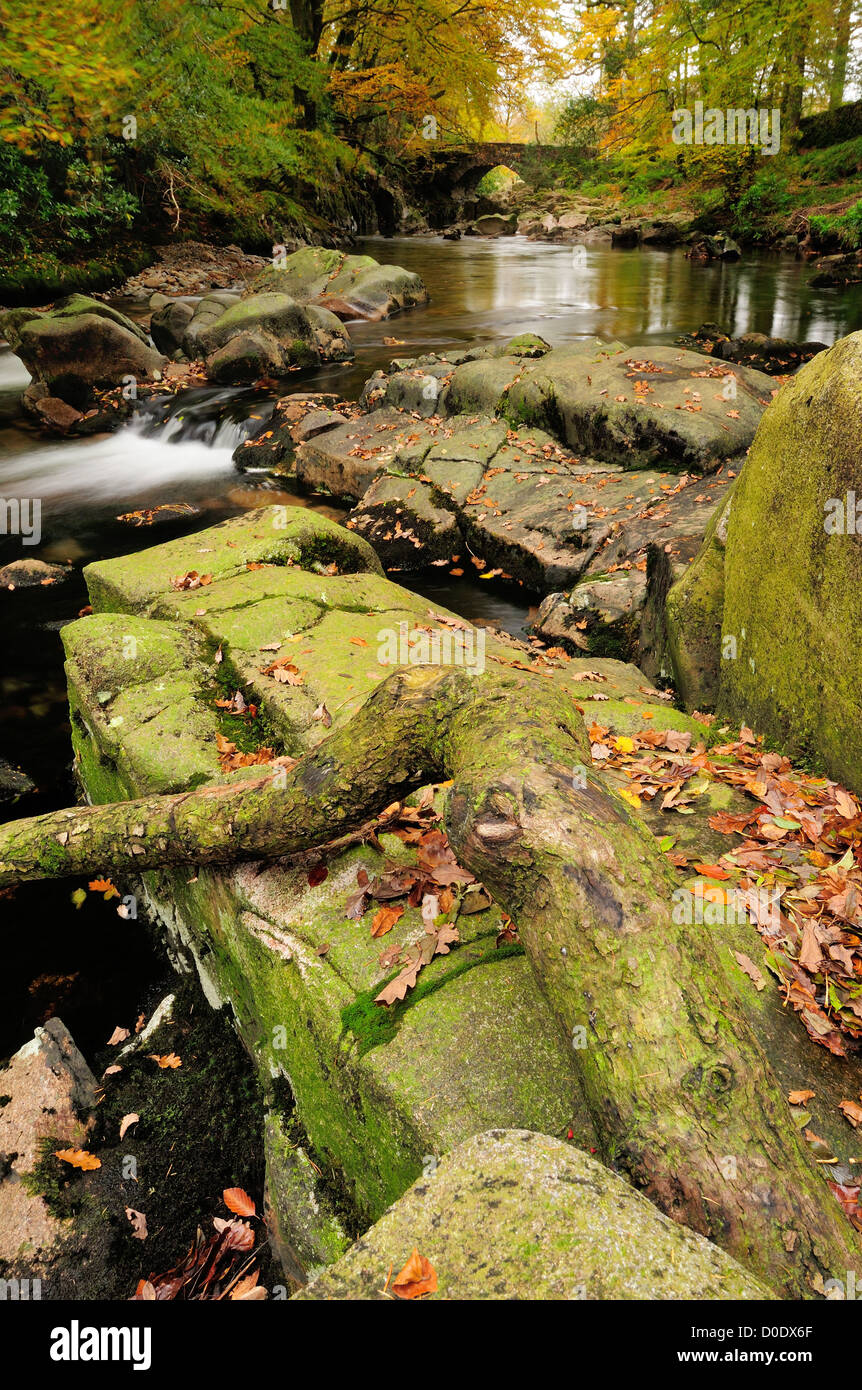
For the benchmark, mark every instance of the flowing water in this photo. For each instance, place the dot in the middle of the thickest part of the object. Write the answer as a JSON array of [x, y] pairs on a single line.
[[68, 960]]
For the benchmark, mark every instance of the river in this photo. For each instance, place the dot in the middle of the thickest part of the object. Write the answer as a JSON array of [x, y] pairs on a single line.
[[60, 958]]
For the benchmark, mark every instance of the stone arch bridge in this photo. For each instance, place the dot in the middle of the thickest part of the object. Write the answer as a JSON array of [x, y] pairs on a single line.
[[447, 174]]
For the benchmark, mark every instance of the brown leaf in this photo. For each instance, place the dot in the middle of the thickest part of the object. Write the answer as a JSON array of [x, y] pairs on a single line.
[[248, 1287], [801, 1097], [238, 1201], [139, 1223], [316, 874], [417, 1278], [384, 920], [751, 970], [237, 1235], [126, 1123], [397, 988], [119, 1035], [322, 713], [169, 1060], [851, 1111]]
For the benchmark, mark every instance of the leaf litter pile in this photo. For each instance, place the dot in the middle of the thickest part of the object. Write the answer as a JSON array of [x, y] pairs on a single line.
[[218, 1267], [801, 839]]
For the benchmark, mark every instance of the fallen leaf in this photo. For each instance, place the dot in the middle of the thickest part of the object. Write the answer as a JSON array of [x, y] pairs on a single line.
[[238, 1201], [103, 885], [852, 1111], [169, 1060], [801, 1097], [747, 964], [119, 1035], [384, 920], [139, 1223], [126, 1123], [78, 1158], [417, 1278]]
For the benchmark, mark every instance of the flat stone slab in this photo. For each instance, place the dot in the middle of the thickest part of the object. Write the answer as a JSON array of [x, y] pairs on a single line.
[[511, 1214], [521, 503], [634, 406]]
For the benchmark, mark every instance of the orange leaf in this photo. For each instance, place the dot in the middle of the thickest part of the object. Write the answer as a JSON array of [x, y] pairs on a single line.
[[238, 1201], [169, 1060], [103, 885], [417, 1278], [711, 871], [384, 920], [79, 1158], [851, 1111]]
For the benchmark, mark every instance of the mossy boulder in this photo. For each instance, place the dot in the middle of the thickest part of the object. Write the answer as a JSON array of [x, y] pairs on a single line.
[[376, 1093], [511, 1214], [793, 570], [693, 613], [352, 287], [268, 330], [80, 346]]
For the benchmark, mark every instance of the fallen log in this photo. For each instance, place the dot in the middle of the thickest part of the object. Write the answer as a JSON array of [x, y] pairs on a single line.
[[679, 1089]]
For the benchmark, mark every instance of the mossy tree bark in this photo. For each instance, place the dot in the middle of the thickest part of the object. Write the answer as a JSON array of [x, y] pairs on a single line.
[[679, 1089]]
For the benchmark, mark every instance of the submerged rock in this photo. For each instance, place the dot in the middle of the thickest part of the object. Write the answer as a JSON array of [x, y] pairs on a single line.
[[776, 356], [25, 574], [718, 247], [511, 1214]]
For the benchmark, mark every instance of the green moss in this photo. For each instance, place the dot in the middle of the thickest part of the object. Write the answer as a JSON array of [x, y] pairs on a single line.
[[372, 1025]]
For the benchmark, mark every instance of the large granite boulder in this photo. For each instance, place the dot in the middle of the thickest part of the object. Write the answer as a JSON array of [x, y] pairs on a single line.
[[793, 569], [353, 287], [79, 347], [511, 1214], [635, 407]]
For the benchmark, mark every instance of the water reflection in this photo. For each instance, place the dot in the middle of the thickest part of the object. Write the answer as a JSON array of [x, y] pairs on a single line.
[[486, 289]]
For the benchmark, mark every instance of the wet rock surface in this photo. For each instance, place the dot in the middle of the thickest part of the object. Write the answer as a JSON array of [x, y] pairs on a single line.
[[775, 356], [557, 467]]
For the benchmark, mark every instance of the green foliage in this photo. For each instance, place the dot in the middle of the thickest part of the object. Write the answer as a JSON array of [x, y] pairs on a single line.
[[766, 197], [582, 125], [844, 230], [833, 164], [841, 124]]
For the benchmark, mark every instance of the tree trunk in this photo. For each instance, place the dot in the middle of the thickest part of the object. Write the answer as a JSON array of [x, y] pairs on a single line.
[[838, 71], [681, 1094]]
